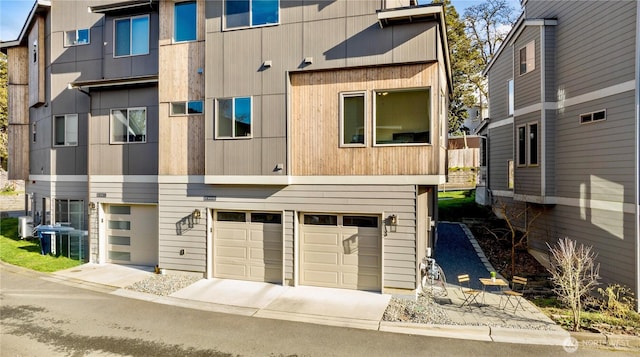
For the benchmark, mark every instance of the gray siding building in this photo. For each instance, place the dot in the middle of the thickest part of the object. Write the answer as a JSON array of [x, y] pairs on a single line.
[[290, 142], [563, 129]]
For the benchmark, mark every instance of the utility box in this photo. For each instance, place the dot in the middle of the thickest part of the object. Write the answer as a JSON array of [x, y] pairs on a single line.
[[25, 227]]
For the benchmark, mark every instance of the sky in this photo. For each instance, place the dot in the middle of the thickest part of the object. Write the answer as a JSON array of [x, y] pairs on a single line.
[[13, 14]]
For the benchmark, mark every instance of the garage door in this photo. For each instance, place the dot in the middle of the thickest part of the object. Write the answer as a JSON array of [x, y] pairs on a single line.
[[341, 251], [248, 246], [132, 234]]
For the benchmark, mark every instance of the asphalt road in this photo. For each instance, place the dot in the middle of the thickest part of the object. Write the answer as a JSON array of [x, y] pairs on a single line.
[[43, 318]]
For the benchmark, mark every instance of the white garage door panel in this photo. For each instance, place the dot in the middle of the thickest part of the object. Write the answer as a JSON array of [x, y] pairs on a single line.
[[339, 256], [248, 251]]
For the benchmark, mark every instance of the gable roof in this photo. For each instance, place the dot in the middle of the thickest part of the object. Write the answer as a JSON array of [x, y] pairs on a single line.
[[39, 7]]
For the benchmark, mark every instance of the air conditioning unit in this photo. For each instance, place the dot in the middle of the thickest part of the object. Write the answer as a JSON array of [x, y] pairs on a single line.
[[25, 227]]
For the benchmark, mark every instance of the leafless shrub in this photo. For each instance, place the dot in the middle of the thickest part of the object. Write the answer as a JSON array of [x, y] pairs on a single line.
[[574, 274]]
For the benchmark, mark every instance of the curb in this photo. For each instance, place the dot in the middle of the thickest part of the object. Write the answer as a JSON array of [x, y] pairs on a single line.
[[477, 333], [531, 337], [622, 342]]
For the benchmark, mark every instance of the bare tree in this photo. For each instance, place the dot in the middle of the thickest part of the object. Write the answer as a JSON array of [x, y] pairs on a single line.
[[520, 224], [487, 25], [574, 274]]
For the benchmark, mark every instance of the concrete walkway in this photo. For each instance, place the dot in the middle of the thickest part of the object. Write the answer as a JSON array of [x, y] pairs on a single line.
[[335, 307]]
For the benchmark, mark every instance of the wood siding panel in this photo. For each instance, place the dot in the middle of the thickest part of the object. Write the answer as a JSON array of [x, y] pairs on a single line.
[[315, 123], [18, 150]]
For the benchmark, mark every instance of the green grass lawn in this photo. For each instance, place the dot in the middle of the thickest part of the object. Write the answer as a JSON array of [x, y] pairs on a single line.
[[455, 205], [26, 253]]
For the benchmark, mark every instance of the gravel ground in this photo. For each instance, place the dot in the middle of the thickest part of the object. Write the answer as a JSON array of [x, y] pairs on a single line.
[[164, 285], [424, 311]]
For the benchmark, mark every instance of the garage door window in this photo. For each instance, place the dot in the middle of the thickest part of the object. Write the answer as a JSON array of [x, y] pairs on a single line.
[[232, 216], [120, 209], [123, 225], [274, 218], [321, 219], [360, 221]]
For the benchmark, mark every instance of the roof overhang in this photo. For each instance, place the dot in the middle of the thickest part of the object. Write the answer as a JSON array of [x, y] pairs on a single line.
[[123, 6], [410, 14], [39, 6], [113, 83]]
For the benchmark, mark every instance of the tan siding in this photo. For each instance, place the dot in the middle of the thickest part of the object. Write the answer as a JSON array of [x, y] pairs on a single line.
[[315, 123], [18, 147]]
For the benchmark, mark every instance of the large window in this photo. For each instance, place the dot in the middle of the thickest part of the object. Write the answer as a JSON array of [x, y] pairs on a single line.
[[248, 13], [76, 37], [402, 117], [65, 129], [527, 149], [129, 125], [352, 123], [528, 58], [131, 36], [185, 21], [233, 117], [70, 212]]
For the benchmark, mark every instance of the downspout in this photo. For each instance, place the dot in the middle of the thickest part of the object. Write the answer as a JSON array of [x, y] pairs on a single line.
[[637, 155], [543, 117]]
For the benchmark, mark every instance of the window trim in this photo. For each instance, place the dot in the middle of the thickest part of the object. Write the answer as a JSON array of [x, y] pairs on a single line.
[[591, 115], [529, 161], [519, 150], [175, 23], [146, 118], [130, 18], [75, 43], [233, 127], [186, 106], [529, 47], [224, 18], [54, 131], [365, 127], [375, 115]]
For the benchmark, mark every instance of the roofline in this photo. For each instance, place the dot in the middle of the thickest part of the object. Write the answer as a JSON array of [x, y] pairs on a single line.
[[122, 5], [114, 82], [37, 5]]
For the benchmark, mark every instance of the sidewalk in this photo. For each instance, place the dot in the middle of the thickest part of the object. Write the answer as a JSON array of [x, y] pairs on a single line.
[[335, 307]]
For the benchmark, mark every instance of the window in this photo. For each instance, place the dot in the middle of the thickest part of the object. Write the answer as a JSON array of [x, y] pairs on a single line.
[[129, 125], [119, 209], [35, 51], [249, 13], [71, 212], [527, 149], [533, 144], [76, 37], [234, 117], [402, 117], [360, 221], [65, 129], [593, 116], [274, 218], [522, 146], [131, 36], [511, 98], [321, 219], [528, 58], [511, 174], [352, 122], [192, 107], [184, 21], [231, 216], [33, 132]]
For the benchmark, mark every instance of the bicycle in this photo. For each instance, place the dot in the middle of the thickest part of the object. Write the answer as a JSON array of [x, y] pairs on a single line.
[[433, 280]]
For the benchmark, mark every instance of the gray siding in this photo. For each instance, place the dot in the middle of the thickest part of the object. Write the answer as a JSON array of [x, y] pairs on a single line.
[[399, 248], [549, 158], [597, 157], [498, 78], [124, 192], [527, 86], [123, 159], [550, 94], [500, 152]]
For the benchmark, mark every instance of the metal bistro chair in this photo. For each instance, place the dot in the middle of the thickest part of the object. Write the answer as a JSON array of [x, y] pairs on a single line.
[[517, 291], [468, 293]]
